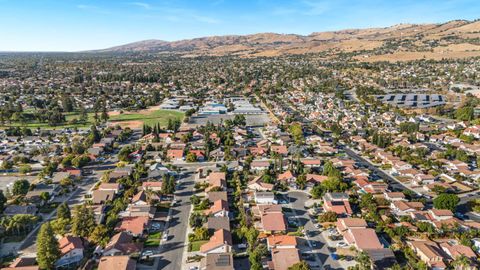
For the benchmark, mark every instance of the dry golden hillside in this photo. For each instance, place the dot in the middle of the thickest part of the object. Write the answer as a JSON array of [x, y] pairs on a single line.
[[402, 42]]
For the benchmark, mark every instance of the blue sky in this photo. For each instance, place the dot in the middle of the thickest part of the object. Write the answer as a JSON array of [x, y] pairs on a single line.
[[73, 25]]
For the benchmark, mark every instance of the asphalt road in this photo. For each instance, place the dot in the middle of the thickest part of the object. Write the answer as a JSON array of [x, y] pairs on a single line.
[[392, 182], [171, 251], [28, 245], [315, 243]]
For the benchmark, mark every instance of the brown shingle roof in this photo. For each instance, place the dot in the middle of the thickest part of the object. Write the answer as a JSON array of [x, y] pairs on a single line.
[[117, 263]]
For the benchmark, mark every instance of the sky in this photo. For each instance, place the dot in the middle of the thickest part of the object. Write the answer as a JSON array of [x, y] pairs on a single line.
[[76, 25]]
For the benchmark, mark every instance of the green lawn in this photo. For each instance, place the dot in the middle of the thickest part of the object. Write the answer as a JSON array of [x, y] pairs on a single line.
[[153, 239], [152, 118], [195, 246]]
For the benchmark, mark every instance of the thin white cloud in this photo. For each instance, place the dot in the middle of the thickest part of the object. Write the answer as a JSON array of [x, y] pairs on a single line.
[[93, 9], [205, 19], [142, 5]]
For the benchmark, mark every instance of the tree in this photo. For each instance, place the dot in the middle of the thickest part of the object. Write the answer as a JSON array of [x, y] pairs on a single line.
[[197, 219], [297, 133], [7, 165], [100, 235], [364, 261], [48, 251], [24, 169], [45, 196], [446, 201], [251, 235], [168, 184], [83, 221], [302, 265], [328, 216], [20, 187], [63, 211], [191, 157], [316, 191], [333, 184], [60, 225], [301, 181], [200, 233]]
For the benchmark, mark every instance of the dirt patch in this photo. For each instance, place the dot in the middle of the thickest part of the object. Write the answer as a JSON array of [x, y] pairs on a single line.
[[148, 110], [113, 113], [410, 56], [130, 124]]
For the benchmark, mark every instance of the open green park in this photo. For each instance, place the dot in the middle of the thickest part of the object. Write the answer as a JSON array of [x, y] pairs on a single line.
[[134, 119]]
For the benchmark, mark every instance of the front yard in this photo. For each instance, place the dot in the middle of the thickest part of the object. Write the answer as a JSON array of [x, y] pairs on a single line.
[[195, 246], [153, 239]]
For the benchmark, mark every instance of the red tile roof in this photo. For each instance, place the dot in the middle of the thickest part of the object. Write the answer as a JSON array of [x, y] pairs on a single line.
[[69, 243]]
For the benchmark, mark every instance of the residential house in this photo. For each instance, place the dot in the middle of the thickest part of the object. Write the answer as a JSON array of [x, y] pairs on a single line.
[[217, 223], [362, 238], [23, 263], [281, 241], [135, 226], [259, 165], [140, 198], [403, 208], [122, 244], [429, 252], [214, 196], [117, 263], [345, 224], [116, 187], [338, 203], [217, 261], [265, 197], [153, 186], [283, 258], [216, 180], [71, 250], [175, 154], [258, 185], [220, 242], [394, 196], [102, 196], [218, 209]]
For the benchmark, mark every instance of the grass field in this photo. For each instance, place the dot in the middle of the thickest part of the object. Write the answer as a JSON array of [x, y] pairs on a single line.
[[126, 119], [68, 124], [151, 117]]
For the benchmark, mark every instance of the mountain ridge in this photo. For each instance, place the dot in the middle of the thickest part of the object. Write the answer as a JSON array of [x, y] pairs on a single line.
[[376, 44]]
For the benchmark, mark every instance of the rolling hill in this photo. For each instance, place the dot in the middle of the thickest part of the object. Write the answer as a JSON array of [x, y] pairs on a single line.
[[402, 42]]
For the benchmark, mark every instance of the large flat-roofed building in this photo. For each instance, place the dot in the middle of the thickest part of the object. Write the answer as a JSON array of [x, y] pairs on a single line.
[[413, 101]]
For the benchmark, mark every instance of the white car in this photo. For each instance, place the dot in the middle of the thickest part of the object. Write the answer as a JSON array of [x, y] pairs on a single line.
[[342, 244], [147, 253], [193, 268]]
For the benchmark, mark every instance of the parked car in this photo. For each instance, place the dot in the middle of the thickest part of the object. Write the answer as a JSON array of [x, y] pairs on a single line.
[[147, 253]]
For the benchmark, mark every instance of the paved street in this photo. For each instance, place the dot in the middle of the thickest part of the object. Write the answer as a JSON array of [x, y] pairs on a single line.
[[171, 252], [392, 182], [316, 242], [28, 246]]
